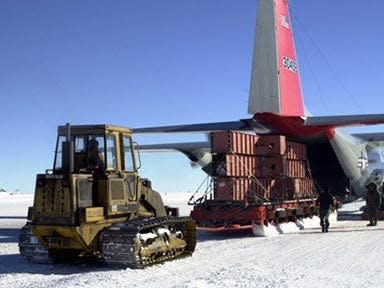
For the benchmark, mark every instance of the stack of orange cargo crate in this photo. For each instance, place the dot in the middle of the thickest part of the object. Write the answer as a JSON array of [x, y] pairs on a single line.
[[234, 163], [252, 167]]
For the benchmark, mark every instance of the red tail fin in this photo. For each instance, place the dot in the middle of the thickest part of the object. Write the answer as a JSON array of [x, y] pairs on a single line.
[[275, 83]]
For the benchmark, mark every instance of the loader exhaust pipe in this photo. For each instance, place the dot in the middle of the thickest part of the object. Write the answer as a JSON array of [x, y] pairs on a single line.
[[68, 153]]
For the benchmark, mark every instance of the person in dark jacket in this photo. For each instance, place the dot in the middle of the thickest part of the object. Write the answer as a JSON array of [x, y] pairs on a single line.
[[325, 202], [373, 201]]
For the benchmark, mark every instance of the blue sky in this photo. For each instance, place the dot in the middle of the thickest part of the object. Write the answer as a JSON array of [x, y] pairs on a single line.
[[141, 63]]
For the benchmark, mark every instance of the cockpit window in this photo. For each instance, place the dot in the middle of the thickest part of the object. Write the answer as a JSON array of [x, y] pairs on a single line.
[[90, 153], [111, 152], [80, 144], [128, 155], [58, 165]]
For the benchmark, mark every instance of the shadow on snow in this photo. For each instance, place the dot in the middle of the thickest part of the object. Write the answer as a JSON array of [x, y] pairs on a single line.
[[15, 264], [9, 235], [203, 236]]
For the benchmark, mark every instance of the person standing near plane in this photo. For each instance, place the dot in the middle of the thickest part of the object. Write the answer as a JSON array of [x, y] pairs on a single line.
[[373, 201], [325, 202]]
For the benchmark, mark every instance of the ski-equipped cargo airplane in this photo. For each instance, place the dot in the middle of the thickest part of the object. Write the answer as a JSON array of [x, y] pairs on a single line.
[[336, 159]]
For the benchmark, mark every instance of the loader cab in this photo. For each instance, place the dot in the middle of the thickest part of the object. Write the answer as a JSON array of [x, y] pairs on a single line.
[[96, 168], [95, 149]]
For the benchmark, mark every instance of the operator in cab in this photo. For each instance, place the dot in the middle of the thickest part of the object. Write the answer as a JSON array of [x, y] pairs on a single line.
[[95, 157]]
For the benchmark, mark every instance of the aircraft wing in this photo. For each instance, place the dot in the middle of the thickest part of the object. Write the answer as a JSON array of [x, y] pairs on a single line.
[[369, 136], [260, 126], [197, 152], [344, 120], [166, 147], [202, 127], [240, 125]]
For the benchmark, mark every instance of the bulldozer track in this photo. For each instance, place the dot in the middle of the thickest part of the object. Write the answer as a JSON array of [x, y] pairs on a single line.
[[123, 246], [30, 247]]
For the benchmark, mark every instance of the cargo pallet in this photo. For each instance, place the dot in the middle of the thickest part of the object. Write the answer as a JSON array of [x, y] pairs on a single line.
[[255, 180], [214, 215]]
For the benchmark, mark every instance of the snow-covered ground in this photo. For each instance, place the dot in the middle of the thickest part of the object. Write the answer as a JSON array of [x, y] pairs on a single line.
[[351, 255]]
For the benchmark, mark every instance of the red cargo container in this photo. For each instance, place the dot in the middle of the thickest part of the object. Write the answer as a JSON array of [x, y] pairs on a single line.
[[223, 189], [306, 188], [235, 142], [261, 189], [292, 189], [229, 188], [278, 145], [271, 145], [296, 151], [276, 166], [281, 188], [272, 189], [233, 165]]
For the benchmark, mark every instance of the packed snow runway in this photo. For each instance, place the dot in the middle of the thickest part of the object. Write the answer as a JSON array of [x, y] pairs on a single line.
[[350, 255]]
